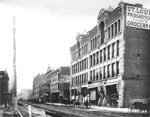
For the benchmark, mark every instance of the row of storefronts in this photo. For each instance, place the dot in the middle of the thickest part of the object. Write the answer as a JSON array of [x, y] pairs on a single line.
[[52, 86]]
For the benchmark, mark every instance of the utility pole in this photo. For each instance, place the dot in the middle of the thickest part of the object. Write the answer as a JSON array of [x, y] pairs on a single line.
[[14, 66]]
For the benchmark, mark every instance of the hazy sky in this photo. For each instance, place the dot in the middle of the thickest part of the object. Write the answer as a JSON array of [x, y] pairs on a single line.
[[45, 31]]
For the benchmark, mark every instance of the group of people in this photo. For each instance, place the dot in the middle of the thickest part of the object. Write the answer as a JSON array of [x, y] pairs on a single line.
[[107, 99]]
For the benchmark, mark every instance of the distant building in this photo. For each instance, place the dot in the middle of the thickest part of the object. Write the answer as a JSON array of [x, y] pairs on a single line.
[[113, 57], [60, 82], [44, 89], [48, 83], [36, 86], [4, 79], [25, 94]]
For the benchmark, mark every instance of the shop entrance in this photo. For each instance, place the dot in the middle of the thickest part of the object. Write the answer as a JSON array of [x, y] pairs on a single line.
[[112, 93]]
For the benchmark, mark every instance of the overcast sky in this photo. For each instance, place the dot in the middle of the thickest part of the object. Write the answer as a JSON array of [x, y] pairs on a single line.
[[45, 31]]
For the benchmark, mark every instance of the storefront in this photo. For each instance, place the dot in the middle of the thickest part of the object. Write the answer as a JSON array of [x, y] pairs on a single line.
[[55, 97]]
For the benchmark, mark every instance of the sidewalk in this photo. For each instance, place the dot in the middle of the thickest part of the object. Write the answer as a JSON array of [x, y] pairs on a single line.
[[6, 112], [1, 111], [98, 108]]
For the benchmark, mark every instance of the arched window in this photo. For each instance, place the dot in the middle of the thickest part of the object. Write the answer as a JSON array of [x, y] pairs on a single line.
[[102, 33]]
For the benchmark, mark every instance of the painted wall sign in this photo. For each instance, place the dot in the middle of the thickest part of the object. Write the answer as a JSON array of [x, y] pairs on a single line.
[[137, 17]]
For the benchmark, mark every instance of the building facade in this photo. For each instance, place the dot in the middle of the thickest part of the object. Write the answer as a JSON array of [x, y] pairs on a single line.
[[113, 58], [36, 87], [4, 80], [60, 82]]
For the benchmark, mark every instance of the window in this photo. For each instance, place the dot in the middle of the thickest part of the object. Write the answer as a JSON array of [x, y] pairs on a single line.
[[104, 72], [79, 79], [91, 43], [93, 75], [108, 71], [100, 73], [76, 80], [102, 33], [100, 56], [116, 28], [119, 25], [113, 69], [112, 30], [86, 75], [117, 48], [97, 57], [108, 52], [83, 64], [76, 68], [117, 68], [82, 78], [91, 61], [87, 48], [108, 32], [86, 63], [113, 50], [80, 65], [104, 54], [96, 75]]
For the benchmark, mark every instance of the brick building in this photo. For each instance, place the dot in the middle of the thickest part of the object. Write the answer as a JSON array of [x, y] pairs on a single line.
[[4, 80], [113, 58], [36, 87], [60, 82]]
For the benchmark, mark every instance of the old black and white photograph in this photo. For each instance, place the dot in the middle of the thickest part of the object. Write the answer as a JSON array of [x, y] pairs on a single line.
[[74, 58]]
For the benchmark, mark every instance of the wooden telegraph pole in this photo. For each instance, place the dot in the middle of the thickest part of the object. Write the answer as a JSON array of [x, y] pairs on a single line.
[[14, 66]]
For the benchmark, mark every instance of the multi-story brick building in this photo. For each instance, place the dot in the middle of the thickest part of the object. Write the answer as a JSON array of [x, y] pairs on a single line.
[[36, 87], [60, 82], [4, 79], [113, 57]]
